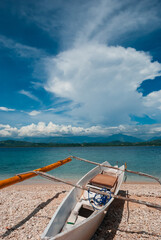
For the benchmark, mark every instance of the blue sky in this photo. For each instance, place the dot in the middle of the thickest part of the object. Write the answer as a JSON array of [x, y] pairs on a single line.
[[80, 68]]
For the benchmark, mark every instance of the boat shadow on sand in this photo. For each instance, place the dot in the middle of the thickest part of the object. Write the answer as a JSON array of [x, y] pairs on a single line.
[[110, 225], [33, 213], [107, 230]]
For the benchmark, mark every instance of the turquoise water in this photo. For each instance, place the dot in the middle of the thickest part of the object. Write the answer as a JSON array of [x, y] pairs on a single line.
[[18, 160]]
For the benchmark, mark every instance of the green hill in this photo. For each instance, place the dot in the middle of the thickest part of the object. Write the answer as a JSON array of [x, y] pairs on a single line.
[[14, 144]]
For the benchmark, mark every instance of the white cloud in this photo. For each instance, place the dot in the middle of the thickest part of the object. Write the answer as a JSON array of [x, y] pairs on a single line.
[[102, 80], [20, 49], [7, 109], [46, 130], [50, 130], [34, 113], [28, 94], [153, 100], [123, 18], [103, 21], [7, 131]]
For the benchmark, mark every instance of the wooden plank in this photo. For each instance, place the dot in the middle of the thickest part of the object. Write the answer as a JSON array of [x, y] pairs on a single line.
[[24, 176]]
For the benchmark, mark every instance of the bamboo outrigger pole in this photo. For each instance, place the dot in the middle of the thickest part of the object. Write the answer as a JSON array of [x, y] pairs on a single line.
[[52, 178], [126, 170], [23, 176]]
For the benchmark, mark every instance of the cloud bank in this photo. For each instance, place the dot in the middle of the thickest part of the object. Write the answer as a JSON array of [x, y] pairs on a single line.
[[46, 130], [103, 82], [53, 130]]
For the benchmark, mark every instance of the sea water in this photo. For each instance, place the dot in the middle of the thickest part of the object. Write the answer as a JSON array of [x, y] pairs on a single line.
[[18, 160]]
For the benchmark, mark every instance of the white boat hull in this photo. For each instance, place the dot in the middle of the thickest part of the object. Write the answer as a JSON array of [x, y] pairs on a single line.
[[86, 228], [84, 231]]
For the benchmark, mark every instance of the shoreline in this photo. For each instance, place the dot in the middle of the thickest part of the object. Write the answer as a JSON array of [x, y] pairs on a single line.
[[26, 209], [39, 181]]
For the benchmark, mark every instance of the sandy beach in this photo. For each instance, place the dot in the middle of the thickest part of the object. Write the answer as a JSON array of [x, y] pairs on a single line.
[[25, 210]]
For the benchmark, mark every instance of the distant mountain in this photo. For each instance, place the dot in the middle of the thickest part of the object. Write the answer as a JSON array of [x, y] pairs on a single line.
[[64, 139], [154, 138], [84, 139], [15, 144], [116, 139], [123, 138]]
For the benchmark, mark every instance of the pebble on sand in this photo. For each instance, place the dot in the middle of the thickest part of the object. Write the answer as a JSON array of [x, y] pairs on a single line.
[[25, 211]]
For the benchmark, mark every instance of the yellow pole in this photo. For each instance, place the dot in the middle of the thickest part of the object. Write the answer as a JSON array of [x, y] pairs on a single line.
[[23, 176]]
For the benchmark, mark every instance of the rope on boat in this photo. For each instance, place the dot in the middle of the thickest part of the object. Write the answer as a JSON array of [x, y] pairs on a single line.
[[99, 199]]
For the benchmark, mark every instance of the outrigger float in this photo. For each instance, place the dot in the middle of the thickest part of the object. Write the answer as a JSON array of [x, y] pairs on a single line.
[[85, 206]]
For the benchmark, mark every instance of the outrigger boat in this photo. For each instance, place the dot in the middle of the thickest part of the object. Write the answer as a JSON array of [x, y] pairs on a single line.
[[83, 210]]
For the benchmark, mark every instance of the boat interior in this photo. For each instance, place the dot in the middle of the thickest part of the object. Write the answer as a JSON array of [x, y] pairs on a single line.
[[106, 180]]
